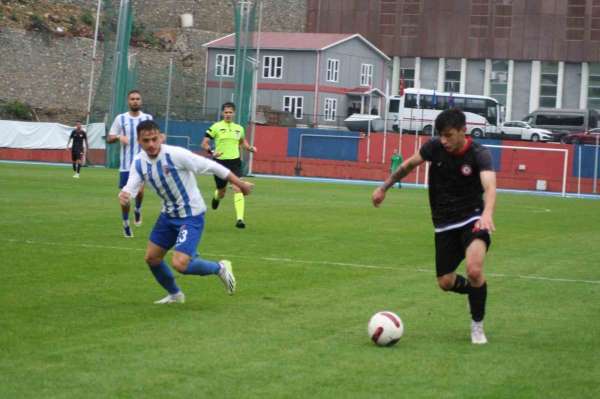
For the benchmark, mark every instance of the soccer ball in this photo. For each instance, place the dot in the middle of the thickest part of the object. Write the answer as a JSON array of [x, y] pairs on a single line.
[[385, 328]]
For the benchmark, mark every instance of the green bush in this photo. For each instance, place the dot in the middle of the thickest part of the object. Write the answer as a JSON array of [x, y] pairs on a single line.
[[17, 110], [87, 18], [137, 30], [151, 39], [37, 23]]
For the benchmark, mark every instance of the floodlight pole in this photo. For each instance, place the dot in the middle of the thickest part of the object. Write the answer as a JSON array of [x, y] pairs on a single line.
[[117, 56], [596, 165], [168, 110], [385, 118], [91, 88], [254, 97]]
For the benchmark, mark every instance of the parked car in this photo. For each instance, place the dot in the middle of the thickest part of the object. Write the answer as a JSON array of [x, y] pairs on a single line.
[[523, 131], [588, 137], [563, 121]]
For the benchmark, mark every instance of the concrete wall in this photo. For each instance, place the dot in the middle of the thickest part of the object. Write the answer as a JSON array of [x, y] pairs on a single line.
[[522, 78], [46, 72], [475, 75], [572, 85]]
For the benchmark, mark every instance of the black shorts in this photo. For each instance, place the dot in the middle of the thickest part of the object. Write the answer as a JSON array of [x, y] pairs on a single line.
[[76, 154], [451, 247], [234, 165]]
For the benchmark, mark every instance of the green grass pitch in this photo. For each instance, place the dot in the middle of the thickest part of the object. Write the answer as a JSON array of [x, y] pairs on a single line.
[[315, 262]]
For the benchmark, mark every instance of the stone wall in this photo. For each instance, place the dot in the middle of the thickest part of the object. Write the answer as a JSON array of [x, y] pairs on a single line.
[[46, 72], [52, 73], [217, 15]]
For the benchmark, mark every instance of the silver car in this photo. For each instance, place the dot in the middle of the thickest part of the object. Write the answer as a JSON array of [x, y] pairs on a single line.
[[522, 130]]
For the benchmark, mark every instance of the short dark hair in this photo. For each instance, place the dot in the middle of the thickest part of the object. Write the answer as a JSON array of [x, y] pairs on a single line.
[[228, 104], [146, 126], [133, 91], [450, 118]]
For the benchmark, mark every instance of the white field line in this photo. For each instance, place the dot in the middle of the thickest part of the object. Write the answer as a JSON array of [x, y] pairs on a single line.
[[310, 262]]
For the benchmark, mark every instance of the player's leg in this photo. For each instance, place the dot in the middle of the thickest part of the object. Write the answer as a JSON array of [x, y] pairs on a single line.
[[74, 159], [475, 256], [238, 197], [162, 238], [476, 243], [239, 205], [449, 252], [123, 176], [187, 261], [79, 156], [137, 212], [221, 188]]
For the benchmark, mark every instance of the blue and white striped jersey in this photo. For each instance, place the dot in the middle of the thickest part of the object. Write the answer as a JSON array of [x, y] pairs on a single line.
[[172, 175], [126, 125]]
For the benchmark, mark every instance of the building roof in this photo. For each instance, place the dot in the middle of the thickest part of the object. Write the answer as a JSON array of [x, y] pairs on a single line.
[[295, 41]]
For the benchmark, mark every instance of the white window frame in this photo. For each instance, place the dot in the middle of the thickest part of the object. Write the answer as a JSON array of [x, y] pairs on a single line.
[[227, 69], [366, 75], [272, 70], [549, 70], [333, 70], [593, 85], [330, 109], [292, 106]]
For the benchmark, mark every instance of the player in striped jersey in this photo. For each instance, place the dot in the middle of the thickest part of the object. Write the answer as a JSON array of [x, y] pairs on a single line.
[[124, 131], [171, 172]]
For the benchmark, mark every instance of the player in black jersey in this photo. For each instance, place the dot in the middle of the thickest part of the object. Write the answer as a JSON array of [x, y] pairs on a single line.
[[462, 196], [79, 147]]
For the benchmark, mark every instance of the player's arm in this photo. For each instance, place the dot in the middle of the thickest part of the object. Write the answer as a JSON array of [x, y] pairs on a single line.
[[210, 135], [201, 165], [403, 170], [87, 145], [69, 142], [244, 186], [488, 181], [133, 186], [246, 146], [114, 134], [206, 144]]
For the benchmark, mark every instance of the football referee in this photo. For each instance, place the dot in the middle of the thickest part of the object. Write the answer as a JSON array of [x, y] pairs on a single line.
[[462, 196], [228, 137]]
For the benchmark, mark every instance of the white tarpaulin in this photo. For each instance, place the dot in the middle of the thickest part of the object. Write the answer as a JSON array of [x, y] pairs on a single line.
[[46, 136]]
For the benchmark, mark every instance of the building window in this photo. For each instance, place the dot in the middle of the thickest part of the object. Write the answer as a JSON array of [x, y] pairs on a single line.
[[576, 16], [333, 70], [272, 67], [499, 80], [366, 75], [452, 76], [479, 19], [330, 109], [409, 77], [225, 65], [294, 105], [594, 86], [595, 31], [549, 84]]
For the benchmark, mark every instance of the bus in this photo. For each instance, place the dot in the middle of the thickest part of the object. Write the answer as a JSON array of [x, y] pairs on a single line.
[[417, 109]]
